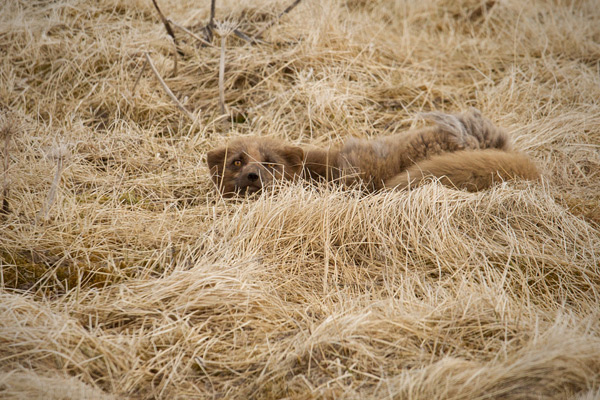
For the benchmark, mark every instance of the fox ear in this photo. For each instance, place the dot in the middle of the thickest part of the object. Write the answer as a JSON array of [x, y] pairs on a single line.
[[294, 155], [215, 159]]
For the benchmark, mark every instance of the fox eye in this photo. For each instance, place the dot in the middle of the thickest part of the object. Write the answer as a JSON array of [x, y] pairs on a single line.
[[237, 163]]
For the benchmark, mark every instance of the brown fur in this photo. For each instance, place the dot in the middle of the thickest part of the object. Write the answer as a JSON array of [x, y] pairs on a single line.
[[457, 150], [470, 170], [262, 161]]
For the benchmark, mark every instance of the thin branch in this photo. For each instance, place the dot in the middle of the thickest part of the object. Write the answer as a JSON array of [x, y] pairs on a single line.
[[165, 21], [60, 154], [211, 22], [174, 63], [6, 132], [247, 38], [274, 21], [222, 75], [209, 28], [288, 9], [169, 92], [223, 29], [139, 76], [192, 34]]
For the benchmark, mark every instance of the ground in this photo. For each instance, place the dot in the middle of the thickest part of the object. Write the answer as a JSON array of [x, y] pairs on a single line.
[[125, 275]]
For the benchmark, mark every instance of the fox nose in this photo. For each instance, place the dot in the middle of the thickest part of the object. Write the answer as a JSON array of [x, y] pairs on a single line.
[[252, 177]]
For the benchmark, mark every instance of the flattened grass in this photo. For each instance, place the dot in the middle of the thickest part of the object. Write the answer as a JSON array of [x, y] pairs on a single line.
[[137, 281]]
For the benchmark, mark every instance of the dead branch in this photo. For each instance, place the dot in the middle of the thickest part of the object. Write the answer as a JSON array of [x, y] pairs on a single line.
[[6, 133], [166, 88], [175, 64], [210, 27], [167, 25], [222, 75], [223, 29], [274, 21], [211, 22], [165, 21], [247, 38], [60, 154], [192, 34], [137, 80]]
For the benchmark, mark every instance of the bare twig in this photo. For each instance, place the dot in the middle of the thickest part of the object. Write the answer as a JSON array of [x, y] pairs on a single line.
[[192, 34], [210, 27], [169, 92], [222, 75], [165, 21], [223, 29], [60, 153], [274, 21], [175, 64], [211, 22], [6, 134], [139, 76], [247, 38]]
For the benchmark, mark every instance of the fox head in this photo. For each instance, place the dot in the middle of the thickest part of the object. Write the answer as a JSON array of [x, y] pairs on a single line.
[[247, 165]]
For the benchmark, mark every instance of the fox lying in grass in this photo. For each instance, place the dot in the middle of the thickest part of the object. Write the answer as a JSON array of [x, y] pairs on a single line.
[[465, 151]]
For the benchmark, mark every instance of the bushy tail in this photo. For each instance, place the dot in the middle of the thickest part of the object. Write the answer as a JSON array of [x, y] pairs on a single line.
[[475, 131], [472, 170]]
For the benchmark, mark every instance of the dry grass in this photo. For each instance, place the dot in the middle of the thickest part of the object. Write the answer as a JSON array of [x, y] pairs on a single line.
[[123, 275]]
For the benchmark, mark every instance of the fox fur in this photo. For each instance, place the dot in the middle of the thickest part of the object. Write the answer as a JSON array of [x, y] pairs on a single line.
[[465, 151]]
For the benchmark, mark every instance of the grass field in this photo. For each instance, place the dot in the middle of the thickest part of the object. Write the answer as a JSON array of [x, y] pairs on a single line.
[[125, 276]]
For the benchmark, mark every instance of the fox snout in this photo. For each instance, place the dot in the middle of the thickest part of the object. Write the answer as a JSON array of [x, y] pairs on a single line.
[[251, 179]]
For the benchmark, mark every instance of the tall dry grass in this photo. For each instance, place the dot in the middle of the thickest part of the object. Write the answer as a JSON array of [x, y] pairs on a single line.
[[124, 275]]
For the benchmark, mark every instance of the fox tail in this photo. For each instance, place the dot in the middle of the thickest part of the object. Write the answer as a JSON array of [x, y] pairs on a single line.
[[472, 170]]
